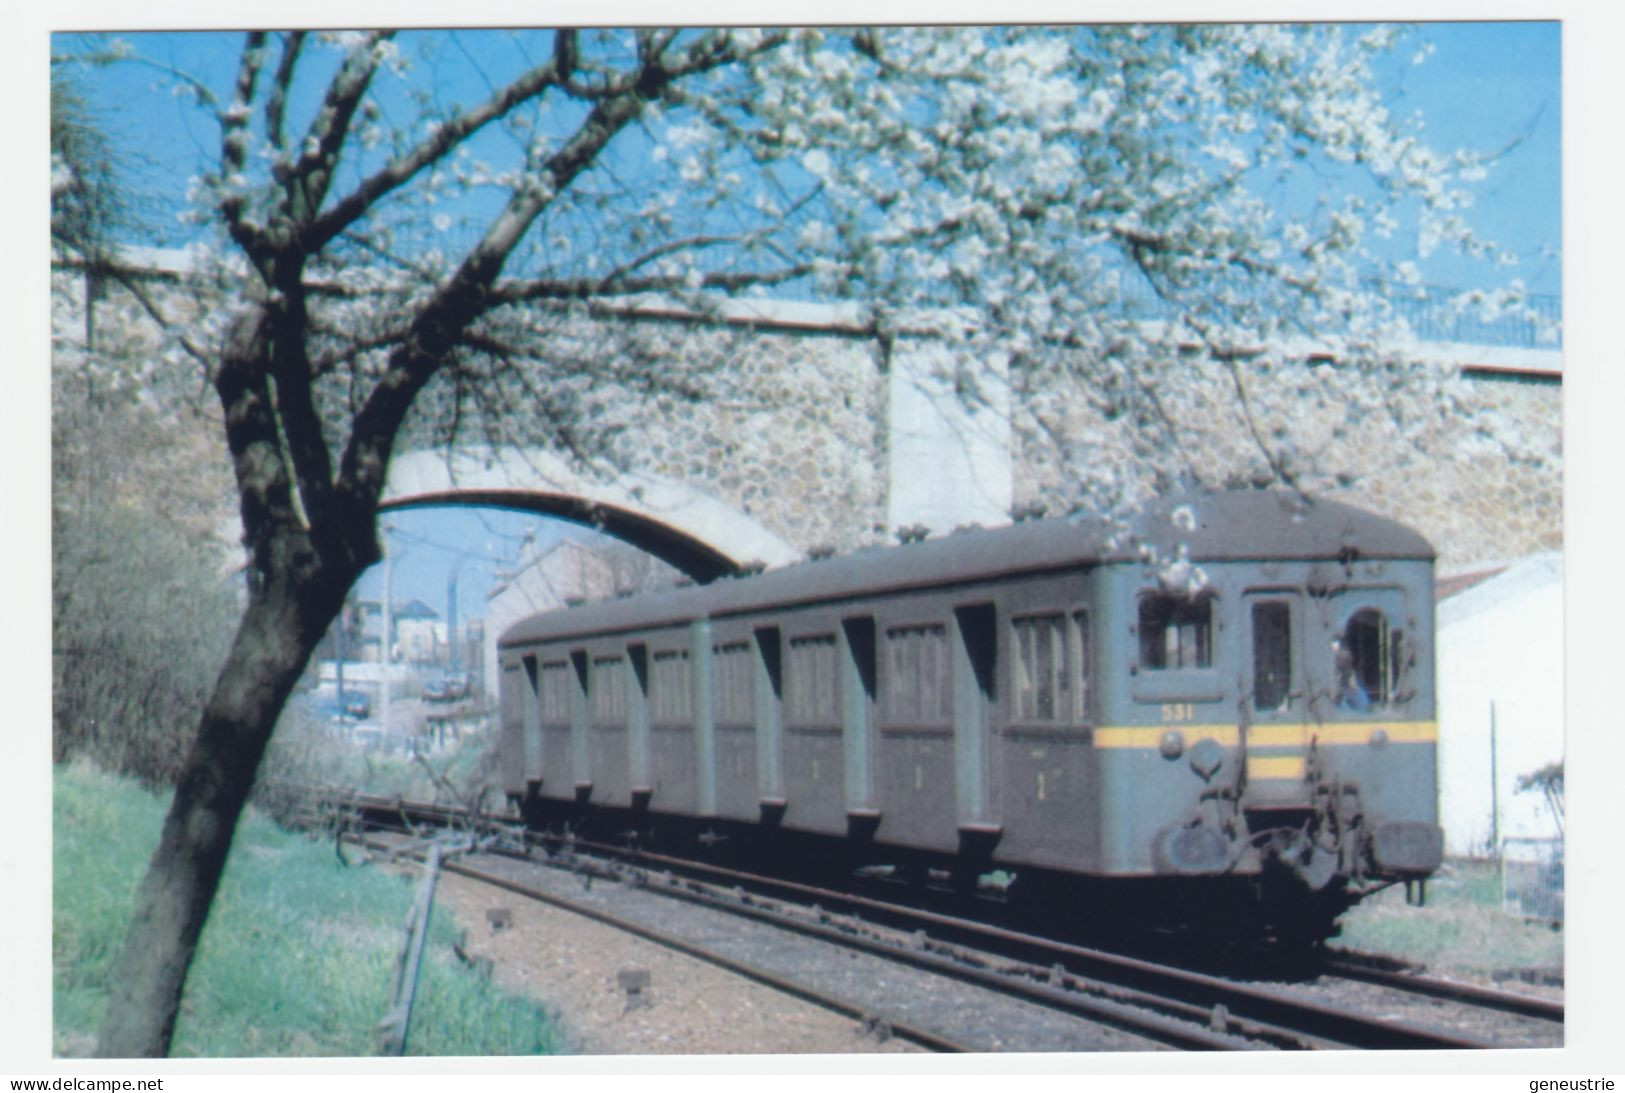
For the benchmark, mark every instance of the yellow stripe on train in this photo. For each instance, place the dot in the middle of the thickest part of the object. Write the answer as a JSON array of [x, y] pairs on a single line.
[[1341, 734], [1276, 766]]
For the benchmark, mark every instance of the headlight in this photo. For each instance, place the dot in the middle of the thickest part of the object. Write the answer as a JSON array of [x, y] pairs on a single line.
[[1206, 758]]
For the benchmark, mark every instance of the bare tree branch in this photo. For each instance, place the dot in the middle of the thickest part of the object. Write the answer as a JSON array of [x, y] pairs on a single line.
[[234, 138], [355, 205], [292, 45], [307, 183], [441, 322]]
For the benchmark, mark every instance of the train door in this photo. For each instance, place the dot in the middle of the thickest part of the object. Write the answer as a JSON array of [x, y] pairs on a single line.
[[769, 722], [737, 727], [973, 698], [637, 743], [553, 691], [1276, 736], [705, 719], [579, 780], [814, 749], [857, 689], [516, 764], [531, 746]]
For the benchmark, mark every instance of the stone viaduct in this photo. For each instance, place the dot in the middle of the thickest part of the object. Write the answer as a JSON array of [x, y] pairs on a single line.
[[807, 435], [815, 440]]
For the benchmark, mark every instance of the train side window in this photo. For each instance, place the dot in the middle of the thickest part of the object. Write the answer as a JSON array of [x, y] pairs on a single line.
[[810, 697], [608, 694], [1041, 667], [735, 673], [916, 686], [1272, 654], [1175, 631], [553, 691], [1370, 657], [671, 688], [1080, 665], [1050, 667]]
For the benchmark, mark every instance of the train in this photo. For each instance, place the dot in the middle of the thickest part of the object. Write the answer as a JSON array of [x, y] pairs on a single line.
[[1215, 715]]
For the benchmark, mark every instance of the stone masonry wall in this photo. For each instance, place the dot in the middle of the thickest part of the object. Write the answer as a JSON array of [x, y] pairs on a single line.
[[790, 425], [795, 429], [1474, 463]]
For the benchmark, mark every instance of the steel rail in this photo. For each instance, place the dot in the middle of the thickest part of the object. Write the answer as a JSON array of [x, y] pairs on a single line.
[[846, 1008], [1270, 1009], [1522, 1005], [1267, 1010], [1121, 1007]]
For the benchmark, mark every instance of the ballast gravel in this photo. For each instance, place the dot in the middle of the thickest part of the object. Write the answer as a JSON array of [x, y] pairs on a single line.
[[579, 970]]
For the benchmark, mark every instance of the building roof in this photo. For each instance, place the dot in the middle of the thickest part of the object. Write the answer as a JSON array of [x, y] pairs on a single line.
[[415, 609], [1454, 585], [1537, 574]]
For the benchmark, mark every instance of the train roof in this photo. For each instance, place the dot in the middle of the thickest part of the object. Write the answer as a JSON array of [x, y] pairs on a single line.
[[1237, 526]]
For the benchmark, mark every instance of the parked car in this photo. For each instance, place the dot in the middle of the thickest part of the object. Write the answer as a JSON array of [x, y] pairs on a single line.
[[448, 689]]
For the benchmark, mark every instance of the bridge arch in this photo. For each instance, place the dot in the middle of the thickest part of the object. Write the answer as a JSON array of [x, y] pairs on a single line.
[[692, 531]]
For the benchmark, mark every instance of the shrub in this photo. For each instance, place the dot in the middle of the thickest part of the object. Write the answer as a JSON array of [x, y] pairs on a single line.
[[141, 618]]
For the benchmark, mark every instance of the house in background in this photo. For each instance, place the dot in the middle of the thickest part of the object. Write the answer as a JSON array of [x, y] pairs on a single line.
[[420, 633], [1500, 690]]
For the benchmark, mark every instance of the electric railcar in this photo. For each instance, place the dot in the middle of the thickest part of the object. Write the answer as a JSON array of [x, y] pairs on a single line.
[[1219, 716]]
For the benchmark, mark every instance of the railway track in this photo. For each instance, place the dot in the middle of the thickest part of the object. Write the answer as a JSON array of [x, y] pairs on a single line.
[[925, 1038], [1160, 1004], [1402, 977]]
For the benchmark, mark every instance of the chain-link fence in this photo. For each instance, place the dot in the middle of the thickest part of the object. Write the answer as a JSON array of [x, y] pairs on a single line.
[[1532, 878]]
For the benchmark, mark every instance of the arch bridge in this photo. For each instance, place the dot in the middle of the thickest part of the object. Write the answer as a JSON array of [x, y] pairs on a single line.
[[688, 529]]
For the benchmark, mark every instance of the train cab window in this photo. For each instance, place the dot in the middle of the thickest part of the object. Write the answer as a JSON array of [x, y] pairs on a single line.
[[1176, 632], [735, 683], [810, 691], [671, 688], [1369, 658], [608, 696], [916, 687], [1272, 654]]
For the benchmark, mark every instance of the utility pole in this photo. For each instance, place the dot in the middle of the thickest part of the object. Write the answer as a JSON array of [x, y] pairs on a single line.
[[1495, 789], [344, 651], [386, 662], [451, 614]]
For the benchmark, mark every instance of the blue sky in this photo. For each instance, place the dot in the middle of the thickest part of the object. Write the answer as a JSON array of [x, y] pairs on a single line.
[[1488, 87], [431, 545]]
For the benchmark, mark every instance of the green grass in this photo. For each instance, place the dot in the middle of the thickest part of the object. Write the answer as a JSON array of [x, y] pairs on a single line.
[[298, 957], [1462, 928]]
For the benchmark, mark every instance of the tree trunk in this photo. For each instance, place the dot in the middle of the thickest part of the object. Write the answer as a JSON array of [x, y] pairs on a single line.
[[278, 631]]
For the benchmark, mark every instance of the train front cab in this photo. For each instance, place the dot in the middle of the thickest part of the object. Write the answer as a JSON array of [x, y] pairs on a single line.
[[1276, 724]]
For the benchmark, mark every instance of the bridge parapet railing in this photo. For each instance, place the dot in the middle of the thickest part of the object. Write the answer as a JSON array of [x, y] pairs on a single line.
[[1435, 313]]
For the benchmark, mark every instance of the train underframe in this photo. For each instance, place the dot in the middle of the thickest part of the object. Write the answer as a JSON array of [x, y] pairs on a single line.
[[1285, 889]]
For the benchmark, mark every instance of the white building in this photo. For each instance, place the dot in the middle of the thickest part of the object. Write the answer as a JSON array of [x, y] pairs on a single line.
[[1500, 678]]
